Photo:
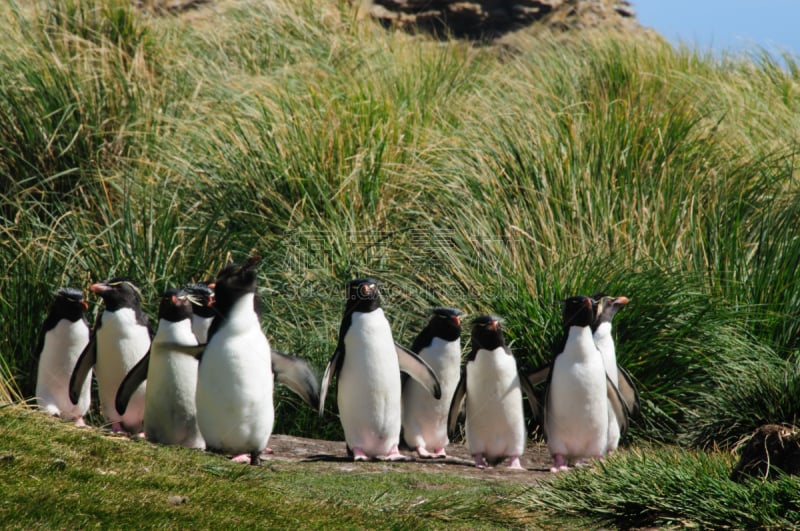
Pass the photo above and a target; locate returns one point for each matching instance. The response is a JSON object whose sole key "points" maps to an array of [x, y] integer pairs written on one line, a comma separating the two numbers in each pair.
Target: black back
{"points": [[118, 293], [174, 306], [445, 323], [487, 333], [233, 282], [69, 305]]}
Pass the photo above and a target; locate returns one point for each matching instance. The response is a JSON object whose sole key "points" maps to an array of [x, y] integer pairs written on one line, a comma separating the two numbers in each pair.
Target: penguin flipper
{"points": [[527, 388], [418, 369], [131, 382], [617, 405], [296, 374], [330, 371], [627, 389], [538, 376], [82, 368], [455, 404]]}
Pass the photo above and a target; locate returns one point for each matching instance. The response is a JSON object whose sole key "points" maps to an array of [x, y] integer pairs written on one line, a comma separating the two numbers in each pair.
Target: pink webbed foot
{"points": [[480, 462], [395, 455], [267, 451], [559, 463], [439, 452], [359, 455], [80, 423], [423, 452], [513, 463], [116, 427], [241, 458]]}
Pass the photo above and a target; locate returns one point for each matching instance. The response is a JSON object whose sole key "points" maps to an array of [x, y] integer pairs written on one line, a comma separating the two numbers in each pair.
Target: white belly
{"points": [[425, 417], [234, 389], [170, 414], [62, 348], [577, 406], [369, 385], [495, 424], [121, 343]]}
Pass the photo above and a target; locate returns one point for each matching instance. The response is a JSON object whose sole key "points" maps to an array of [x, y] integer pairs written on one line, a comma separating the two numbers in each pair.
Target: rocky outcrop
{"points": [[487, 19]]}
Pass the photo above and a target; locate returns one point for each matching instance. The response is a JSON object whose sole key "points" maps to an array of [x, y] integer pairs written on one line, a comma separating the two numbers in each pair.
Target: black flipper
{"points": [[332, 370], [418, 369], [627, 389], [131, 383], [296, 374], [82, 367], [617, 405], [455, 405]]}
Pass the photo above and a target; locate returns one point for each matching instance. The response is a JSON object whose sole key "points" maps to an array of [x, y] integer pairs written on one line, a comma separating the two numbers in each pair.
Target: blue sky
{"points": [[731, 25]]}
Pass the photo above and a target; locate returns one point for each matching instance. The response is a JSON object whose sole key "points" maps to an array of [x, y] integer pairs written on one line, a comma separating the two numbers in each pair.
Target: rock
{"points": [[487, 19], [769, 449]]}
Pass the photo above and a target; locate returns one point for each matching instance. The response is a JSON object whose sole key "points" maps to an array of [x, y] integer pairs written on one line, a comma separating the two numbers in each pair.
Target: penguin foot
{"points": [[439, 452], [425, 454], [80, 423], [241, 458], [359, 455], [395, 455], [513, 463], [480, 462], [116, 427], [267, 451], [559, 463]]}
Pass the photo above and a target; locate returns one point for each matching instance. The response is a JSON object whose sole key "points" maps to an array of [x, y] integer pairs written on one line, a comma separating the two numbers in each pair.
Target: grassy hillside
{"points": [[494, 178]]}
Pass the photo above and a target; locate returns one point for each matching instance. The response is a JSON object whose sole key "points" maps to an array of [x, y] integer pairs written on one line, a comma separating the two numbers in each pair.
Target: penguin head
{"points": [[174, 306], [234, 281], [578, 311], [118, 292], [201, 295], [68, 304], [606, 307], [445, 323], [363, 295], [487, 333]]}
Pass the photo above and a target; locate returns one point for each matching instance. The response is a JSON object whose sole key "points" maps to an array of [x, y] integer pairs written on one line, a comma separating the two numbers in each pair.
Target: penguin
{"points": [[424, 417], [201, 295], [121, 338], [65, 334], [605, 308], [367, 363], [579, 393], [170, 414], [235, 380], [492, 388]]}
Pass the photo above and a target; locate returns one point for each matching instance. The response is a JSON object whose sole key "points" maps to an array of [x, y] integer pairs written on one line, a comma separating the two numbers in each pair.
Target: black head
{"points": [[68, 304], [606, 307], [487, 333], [174, 306], [201, 295], [362, 295], [445, 323], [578, 311], [117, 293], [235, 281]]}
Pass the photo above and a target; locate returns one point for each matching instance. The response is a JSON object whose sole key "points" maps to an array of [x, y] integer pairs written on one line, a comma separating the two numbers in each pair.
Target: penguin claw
{"points": [[241, 458]]}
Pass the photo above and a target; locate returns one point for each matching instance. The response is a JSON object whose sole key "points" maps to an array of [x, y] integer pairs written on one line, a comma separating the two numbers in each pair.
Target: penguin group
{"points": [[205, 377]]}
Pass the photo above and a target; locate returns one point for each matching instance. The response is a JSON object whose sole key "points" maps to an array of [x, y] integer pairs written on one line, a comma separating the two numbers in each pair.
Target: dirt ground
{"points": [[536, 460]]}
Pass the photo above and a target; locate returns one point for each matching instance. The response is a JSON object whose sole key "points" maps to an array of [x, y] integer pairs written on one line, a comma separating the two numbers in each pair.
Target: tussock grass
{"points": [[495, 180], [669, 487]]}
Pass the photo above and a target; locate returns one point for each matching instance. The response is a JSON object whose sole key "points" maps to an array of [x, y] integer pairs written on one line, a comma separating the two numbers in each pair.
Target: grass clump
{"points": [[669, 487]]}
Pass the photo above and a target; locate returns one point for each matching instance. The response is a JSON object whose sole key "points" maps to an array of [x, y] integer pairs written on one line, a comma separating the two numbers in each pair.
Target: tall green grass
{"points": [[496, 180]]}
